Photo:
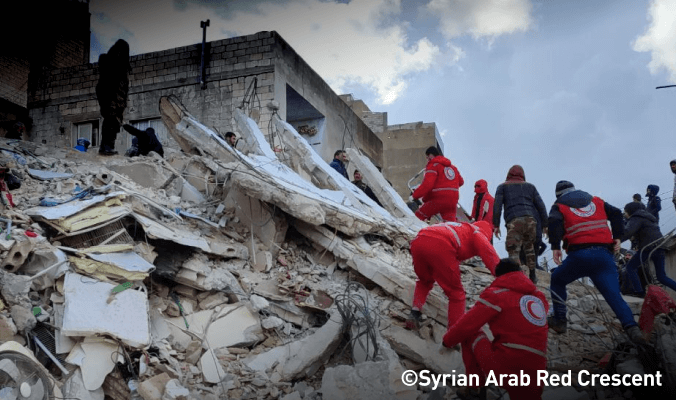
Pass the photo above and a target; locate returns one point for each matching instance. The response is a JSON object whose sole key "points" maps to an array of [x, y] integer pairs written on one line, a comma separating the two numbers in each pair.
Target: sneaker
{"points": [[636, 336], [557, 325], [533, 277]]}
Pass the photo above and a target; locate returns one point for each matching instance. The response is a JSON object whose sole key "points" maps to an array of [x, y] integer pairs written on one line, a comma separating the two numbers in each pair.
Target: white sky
{"points": [[566, 89]]}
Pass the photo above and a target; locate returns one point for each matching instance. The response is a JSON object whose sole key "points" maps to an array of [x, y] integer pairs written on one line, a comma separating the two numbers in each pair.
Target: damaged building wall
{"points": [[343, 127], [256, 68]]}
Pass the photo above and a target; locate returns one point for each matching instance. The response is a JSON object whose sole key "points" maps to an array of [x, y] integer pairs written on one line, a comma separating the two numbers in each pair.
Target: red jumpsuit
{"points": [[482, 207], [516, 312], [437, 252], [439, 190]]}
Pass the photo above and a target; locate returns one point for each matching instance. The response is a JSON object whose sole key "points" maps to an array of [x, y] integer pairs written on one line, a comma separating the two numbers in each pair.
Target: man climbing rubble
{"points": [[523, 206], [437, 252], [581, 221], [440, 188], [516, 313], [338, 163], [111, 93]]}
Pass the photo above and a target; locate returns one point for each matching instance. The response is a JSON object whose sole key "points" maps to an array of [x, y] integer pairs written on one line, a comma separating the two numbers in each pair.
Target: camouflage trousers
{"points": [[521, 232]]}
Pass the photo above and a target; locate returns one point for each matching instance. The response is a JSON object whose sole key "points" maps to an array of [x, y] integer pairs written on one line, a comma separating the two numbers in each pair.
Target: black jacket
{"points": [[520, 199], [644, 226], [580, 199], [147, 140]]}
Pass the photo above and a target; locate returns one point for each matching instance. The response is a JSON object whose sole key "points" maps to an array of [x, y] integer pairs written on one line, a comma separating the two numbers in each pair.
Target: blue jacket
{"points": [[340, 167]]}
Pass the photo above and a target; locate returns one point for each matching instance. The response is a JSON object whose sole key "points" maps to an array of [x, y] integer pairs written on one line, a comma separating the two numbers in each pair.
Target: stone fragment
{"points": [[23, 318], [153, 388], [367, 380], [211, 368], [258, 303], [175, 391]]}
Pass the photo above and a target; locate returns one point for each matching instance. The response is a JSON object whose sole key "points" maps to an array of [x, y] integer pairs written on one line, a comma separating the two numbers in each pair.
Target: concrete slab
{"points": [[235, 326]]}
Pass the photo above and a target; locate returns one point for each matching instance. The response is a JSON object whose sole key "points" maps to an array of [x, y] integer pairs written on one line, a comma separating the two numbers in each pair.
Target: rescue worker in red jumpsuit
{"points": [[516, 312], [437, 252], [439, 189]]}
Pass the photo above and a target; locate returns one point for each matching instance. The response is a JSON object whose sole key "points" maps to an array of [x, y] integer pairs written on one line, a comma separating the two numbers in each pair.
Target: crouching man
{"points": [[437, 252], [516, 312]]}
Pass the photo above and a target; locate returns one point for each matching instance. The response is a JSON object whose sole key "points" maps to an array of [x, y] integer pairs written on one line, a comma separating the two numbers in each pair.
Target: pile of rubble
{"points": [[221, 273]]}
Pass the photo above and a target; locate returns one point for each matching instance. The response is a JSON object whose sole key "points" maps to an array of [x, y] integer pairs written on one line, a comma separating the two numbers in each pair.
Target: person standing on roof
{"points": [[654, 202], [523, 206], [482, 207], [440, 188], [516, 313], [581, 221], [338, 163], [643, 225], [437, 252]]}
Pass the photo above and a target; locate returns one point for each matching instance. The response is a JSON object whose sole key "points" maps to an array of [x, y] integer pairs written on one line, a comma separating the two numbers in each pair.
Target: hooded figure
{"points": [[581, 220], [147, 140], [523, 207], [654, 202], [516, 312], [437, 252], [644, 227], [482, 207], [440, 188]]}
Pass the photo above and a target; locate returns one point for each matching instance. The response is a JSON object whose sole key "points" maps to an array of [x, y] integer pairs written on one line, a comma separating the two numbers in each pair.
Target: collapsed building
{"points": [[255, 272]]}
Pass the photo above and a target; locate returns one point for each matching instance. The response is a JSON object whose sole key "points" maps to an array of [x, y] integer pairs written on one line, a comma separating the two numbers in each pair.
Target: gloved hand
{"points": [[445, 350], [413, 320]]}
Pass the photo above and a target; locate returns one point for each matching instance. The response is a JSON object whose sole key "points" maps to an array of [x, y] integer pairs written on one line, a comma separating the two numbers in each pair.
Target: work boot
{"points": [[533, 277], [636, 336], [558, 325]]}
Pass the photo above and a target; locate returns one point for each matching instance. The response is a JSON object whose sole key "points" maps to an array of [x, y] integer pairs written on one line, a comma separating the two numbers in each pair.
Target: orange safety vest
{"points": [[587, 224]]}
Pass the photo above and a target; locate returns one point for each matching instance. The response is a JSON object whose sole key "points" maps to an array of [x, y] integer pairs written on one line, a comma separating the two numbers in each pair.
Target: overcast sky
{"points": [[564, 88]]}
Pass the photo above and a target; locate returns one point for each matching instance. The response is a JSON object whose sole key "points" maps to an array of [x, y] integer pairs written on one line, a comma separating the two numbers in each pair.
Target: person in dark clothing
{"points": [[231, 138], [147, 140], [364, 187], [654, 202], [581, 221], [523, 206], [338, 163], [643, 225], [637, 198], [133, 150], [17, 131], [111, 93]]}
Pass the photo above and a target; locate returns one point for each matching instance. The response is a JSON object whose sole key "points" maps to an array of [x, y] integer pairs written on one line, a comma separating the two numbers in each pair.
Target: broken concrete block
{"points": [[23, 318], [408, 344], [263, 261], [258, 303], [368, 380], [5, 245], [236, 326], [153, 388], [15, 289], [296, 359], [74, 388], [193, 352], [7, 329], [17, 254], [87, 311], [97, 358], [211, 367], [272, 322], [214, 300], [175, 391]]}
